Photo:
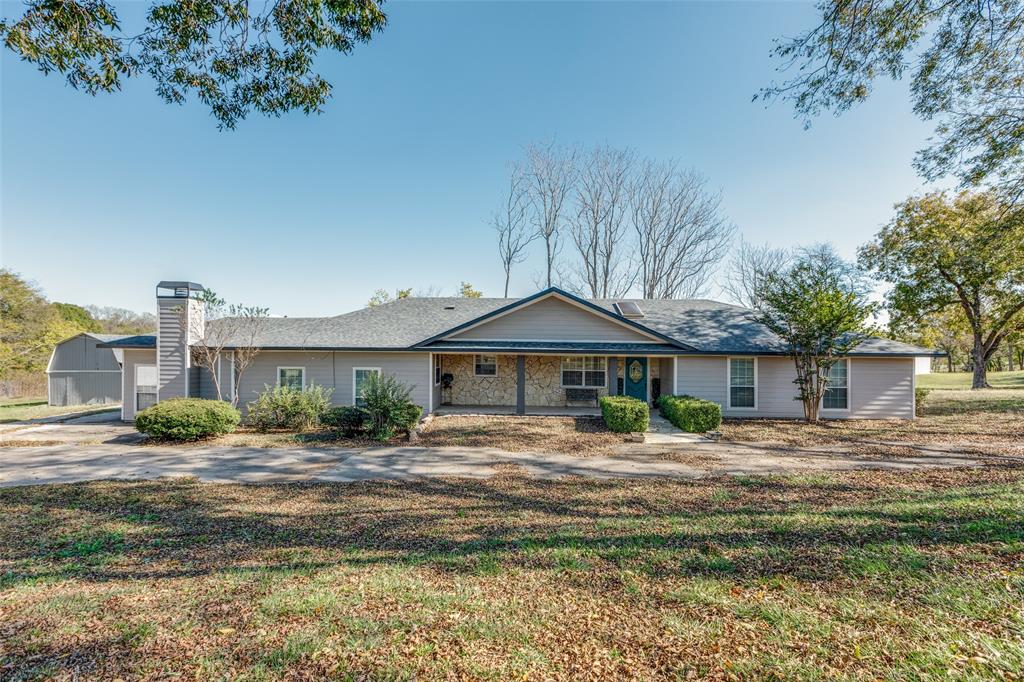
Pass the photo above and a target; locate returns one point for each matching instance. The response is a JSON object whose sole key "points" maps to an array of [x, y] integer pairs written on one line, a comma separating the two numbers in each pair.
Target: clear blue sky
{"points": [[392, 185]]}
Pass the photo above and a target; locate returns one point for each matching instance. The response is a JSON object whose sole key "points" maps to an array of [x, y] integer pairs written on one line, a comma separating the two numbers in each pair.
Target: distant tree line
{"points": [[30, 326]]}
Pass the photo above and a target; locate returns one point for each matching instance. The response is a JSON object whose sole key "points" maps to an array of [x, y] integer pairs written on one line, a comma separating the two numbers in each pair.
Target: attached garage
{"points": [[81, 373]]}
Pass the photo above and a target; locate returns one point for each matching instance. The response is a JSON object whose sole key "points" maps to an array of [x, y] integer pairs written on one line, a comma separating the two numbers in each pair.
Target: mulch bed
{"points": [[580, 436]]}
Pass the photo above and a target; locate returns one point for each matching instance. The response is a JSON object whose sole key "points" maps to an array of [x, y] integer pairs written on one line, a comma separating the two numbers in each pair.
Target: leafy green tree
{"points": [[466, 290], [29, 326], [945, 330], [963, 59], [235, 56], [819, 306], [966, 252], [79, 316]]}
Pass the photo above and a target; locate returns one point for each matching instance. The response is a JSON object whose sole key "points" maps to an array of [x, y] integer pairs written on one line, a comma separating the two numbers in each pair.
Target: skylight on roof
{"points": [[628, 309]]}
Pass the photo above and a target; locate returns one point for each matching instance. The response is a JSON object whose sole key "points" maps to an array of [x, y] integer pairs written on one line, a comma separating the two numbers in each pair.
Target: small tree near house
{"points": [[819, 307], [227, 328]]}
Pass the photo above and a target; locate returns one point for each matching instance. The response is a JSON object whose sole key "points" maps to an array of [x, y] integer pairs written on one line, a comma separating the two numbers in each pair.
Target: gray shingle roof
{"points": [[708, 326]]}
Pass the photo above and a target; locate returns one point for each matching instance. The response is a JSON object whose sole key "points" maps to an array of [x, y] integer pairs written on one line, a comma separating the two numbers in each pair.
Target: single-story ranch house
{"points": [[534, 355]]}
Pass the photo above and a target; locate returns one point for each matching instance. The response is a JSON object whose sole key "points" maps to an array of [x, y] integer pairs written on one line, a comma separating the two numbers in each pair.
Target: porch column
{"points": [[613, 376], [520, 384]]}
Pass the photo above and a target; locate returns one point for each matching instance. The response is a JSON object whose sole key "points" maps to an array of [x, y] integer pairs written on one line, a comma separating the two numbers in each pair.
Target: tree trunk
{"points": [[949, 362], [508, 274], [980, 378]]}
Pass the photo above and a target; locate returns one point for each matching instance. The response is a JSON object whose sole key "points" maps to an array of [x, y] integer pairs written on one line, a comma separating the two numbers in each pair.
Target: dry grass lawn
{"points": [[861, 576], [18, 409], [991, 420], [581, 436]]}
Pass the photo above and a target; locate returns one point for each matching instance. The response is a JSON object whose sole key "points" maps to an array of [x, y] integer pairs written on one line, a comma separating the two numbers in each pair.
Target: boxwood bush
{"points": [[693, 415], [347, 420], [624, 414], [187, 419]]}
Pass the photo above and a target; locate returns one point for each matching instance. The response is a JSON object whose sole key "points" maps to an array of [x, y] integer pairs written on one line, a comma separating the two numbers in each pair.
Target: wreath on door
{"points": [[636, 371]]}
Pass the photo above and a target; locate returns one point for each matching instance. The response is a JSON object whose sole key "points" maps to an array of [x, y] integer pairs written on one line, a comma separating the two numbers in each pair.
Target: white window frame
{"points": [[135, 383], [289, 367], [728, 383], [561, 372], [361, 369], [438, 370], [485, 355], [849, 398]]}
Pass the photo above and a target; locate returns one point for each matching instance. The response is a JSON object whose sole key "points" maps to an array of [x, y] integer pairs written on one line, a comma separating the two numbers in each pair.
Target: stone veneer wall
{"points": [[543, 382]]}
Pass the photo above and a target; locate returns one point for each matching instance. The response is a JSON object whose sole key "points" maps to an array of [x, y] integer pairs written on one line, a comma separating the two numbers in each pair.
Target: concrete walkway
{"points": [[663, 432]]}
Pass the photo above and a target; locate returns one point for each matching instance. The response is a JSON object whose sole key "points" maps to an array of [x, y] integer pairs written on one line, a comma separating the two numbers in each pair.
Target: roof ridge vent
{"points": [[628, 309]]}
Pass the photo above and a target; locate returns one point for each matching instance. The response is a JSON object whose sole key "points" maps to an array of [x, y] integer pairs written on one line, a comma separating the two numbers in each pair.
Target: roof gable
{"points": [[553, 315]]}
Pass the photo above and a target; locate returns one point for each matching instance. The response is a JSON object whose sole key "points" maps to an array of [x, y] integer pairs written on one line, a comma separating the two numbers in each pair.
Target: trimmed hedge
{"points": [[693, 415], [187, 419], [624, 414]]}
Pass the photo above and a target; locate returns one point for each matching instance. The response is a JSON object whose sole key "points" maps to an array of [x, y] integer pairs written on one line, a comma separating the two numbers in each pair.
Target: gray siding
{"points": [[132, 358], [334, 370], [882, 387], [84, 388], [879, 388], [79, 373], [553, 320], [80, 353], [172, 348]]}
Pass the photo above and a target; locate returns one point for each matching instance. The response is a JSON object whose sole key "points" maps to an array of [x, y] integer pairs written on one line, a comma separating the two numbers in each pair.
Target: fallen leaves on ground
{"points": [[862, 575]]}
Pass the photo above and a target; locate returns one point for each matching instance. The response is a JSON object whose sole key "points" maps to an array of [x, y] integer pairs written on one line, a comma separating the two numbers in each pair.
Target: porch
{"points": [[543, 384], [505, 410]]}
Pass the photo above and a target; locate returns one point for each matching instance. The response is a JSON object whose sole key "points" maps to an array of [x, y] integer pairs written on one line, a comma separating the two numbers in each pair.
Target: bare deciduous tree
{"points": [[681, 231], [598, 223], [551, 174], [747, 269], [512, 224], [227, 331]]}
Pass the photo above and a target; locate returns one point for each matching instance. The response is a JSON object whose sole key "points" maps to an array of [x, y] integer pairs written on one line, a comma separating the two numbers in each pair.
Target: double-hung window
{"points": [[743, 383], [584, 372], [291, 377], [837, 389], [437, 370], [485, 365], [359, 377]]}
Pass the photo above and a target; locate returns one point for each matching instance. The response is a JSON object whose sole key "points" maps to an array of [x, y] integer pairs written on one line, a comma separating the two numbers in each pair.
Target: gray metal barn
{"points": [[79, 373]]}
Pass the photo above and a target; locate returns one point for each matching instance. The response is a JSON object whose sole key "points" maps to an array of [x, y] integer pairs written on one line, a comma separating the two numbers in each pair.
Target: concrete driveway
{"points": [[70, 463], [102, 447]]}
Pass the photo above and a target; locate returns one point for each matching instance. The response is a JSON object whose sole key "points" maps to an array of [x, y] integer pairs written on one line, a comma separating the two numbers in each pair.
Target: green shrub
{"points": [[919, 397], [187, 419], [624, 414], [347, 420], [386, 401], [283, 407], [693, 415]]}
